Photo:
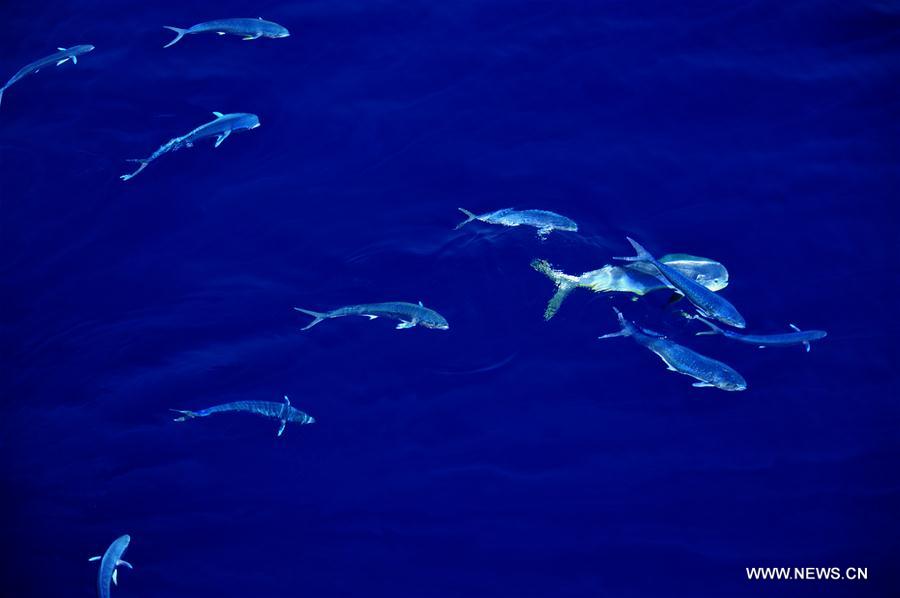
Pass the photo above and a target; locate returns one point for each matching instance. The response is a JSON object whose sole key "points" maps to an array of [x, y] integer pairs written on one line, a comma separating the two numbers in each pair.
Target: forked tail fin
{"points": [[627, 327], [143, 164], [565, 284], [319, 316], [180, 33], [642, 254], [185, 414], [713, 329], [469, 218]]}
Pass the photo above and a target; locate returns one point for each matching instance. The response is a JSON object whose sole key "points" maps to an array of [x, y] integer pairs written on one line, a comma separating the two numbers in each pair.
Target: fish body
{"points": [[546, 222], [283, 412], [220, 128], [248, 29], [110, 560], [706, 301], [784, 339], [64, 55], [409, 314], [678, 358], [637, 278]]}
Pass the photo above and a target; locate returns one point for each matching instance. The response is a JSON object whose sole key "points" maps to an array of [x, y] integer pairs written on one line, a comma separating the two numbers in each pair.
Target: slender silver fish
{"points": [[246, 28], [221, 128], [61, 57], [707, 302], [636, 278], [111, 559], [283, 412], [784, 339], [409, 314], [680, 359], [546, 222]]}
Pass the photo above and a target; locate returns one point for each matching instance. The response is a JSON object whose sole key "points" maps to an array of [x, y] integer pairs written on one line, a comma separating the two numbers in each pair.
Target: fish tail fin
{"points": [[626, 330], [180, 33], [642, 255], [469, 218], [143, 164], [319, 316], [565, 284], [185, 414], [713, 329]]}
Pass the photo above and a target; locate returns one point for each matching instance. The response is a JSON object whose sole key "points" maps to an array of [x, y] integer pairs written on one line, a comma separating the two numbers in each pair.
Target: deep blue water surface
{"points": [[508, 456]]}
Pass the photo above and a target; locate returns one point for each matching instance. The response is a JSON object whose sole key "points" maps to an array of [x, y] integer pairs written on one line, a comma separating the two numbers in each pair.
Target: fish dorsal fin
{"points": [[62, 49], [218, 114], [795, 327], [421, 304], [287, 401]]}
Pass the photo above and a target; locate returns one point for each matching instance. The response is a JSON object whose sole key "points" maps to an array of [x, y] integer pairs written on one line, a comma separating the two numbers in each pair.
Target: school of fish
{"points": [[696, 279]]}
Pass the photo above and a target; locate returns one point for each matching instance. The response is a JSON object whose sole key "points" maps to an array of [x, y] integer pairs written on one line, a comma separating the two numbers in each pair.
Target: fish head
{"points": [[245, 120], [434, 320], [731, 381], [279, 32], [82, 49]]}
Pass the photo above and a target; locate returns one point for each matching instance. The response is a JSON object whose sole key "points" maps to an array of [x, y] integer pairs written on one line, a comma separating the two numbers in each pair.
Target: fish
{"points": [[678, 358], [248, 28], [61, 57], [636, 278], [784, 339], [546, 222], [109, 562], [706, 301], [409, 314], [220, 128], [283, 412]]}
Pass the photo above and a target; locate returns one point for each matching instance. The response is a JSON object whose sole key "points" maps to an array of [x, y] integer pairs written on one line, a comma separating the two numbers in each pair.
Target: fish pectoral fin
{"points": [[702, 385], [62, 49], [220, 32], [126, 563], [74, 60], [114, 576], [761, 347], [218, 114], [254, 36], [404, 325], [371, 317], [61, 61], [222, 138], [283, 425], [806, 344], [95, 558]]}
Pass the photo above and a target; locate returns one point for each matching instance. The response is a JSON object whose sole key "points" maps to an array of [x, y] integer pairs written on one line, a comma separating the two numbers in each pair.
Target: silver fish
{"points": [[221, 128], [784, 339], [546, 222], [637, 278], [61, 57], [283, 412], [409, 314], [707, 302], [709, 372], [247, 28], [111, 559]]}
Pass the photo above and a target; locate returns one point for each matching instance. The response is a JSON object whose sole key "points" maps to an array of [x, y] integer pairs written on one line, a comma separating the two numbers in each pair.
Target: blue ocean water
{"points": [[507, 456]]}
